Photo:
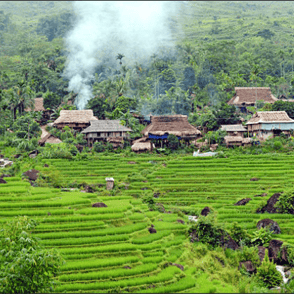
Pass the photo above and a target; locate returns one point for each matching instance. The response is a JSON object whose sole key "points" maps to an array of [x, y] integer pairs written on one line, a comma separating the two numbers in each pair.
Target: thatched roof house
{"points": [[142, 145], [162, 126], [103, 129], [237, 141], [39, 106], [49, 139], [76, 119], [247, 96], [266, 123], [234, 130]]}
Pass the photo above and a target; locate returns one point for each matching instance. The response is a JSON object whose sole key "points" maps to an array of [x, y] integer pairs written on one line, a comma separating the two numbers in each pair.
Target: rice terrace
{"points": [[146, 147]]}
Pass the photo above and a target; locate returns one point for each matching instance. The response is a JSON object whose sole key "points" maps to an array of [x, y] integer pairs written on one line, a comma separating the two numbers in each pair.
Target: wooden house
{"points": [[142, 145], [75, 119], [264, 124], [163, 125], [247, 96], [234, 130], [237, 141], [101, 130], [49, 139], [39, 106]]}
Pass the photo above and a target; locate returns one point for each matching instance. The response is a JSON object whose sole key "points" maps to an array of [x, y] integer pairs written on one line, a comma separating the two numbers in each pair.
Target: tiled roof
{"points": [[106, 126], [270, 117], [249, 95]]}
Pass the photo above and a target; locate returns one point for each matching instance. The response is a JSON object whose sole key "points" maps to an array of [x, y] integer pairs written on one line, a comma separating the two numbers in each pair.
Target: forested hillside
{"points": [[216, 46]]}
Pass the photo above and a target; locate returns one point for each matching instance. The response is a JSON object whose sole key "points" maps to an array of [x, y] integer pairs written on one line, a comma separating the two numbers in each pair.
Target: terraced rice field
{"points": [[110, 248]]}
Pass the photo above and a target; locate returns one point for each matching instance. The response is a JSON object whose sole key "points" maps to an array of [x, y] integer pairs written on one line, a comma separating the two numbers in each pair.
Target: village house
{"points": [[106, 130], [49, 138], [178, 125], [264, 124], [75, 119], [39, 106], [247, 96], [142, 145], [234, 130]]}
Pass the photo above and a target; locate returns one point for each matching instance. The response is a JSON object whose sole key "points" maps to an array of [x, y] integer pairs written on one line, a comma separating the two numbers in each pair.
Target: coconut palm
{"points": [[120, 57]]}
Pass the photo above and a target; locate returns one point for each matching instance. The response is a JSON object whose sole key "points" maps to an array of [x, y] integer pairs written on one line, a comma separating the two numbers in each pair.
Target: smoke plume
{"points": [[136, 29]]}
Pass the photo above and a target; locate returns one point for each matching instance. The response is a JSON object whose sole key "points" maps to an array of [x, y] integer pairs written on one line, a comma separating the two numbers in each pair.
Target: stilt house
{"points": [[101, 130], [234, 130], [178, 125], [75, 119], [247, 96], [264, 124]]}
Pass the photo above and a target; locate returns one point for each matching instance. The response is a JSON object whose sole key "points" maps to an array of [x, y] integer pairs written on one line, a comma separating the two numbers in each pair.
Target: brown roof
{"points": [[233, 139], [172, 124], [49, 138], [75, 116], [233, 128], [38, 105], [270, 117], [106, 126], [249, 95], [141, 146]]}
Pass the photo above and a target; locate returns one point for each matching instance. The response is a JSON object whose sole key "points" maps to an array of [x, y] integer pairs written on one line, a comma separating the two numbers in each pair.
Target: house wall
{"points": [[279, 126]]}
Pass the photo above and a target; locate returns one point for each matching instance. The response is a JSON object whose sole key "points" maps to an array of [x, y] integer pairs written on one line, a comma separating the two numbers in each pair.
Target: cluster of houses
{"points": [[262, 124]]}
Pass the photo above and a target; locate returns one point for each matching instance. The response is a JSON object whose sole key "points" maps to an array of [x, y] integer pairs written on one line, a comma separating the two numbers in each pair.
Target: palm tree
{"points": [[120, 57]]}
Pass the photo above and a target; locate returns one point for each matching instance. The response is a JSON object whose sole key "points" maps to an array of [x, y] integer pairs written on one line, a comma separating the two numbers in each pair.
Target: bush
{"points": [[250, 253], [286, 202], [262, 237], [98, 147], [173, 141], [240, 235], [268, 274]]}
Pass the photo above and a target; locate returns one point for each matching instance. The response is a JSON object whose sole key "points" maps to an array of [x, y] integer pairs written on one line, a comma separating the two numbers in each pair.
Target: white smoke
{"points": [[135, 29]]}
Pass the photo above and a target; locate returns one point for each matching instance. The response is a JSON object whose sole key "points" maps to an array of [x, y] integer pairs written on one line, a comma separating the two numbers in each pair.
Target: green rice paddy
{"points": [[107, 249]]}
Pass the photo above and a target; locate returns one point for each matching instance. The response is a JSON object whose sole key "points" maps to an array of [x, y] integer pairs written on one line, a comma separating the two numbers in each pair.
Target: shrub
{"points": [[250, 253], [173, 141], [262, 237], [98, 147], [240, 235], [286, 202], [268, 274]]}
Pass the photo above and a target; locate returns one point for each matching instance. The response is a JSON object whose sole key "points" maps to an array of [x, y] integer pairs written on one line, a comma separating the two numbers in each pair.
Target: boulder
{"points": [[99, 204], [268, 223], [32, 174], [205, 211], [273, 249], [269, 207], [243, 201], [261, 252], [152, 230], [283, 256], [2, 181], [89, 189], [228, 242], [248, 266]]}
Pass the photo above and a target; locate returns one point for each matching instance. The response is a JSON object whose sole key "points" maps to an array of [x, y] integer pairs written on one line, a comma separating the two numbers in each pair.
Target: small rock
{"points": [[2, 181], [132, 162], [46, 165], [127, 267], [268, 223], [32, 174], [99, 204], [145, 188], [261, 252], [49, 213], [17, 155], [261, 195], [156, 195], [180, 221], [254, 179], [248, 265], [205, 211], [243, 201], [152, 230]]}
